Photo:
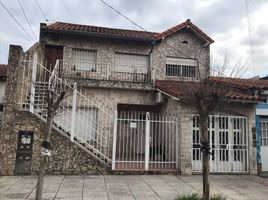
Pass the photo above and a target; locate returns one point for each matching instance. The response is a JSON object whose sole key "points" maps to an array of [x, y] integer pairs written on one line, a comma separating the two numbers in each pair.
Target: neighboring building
{"points": [[262, 127], [3, 76], [124, 111]]}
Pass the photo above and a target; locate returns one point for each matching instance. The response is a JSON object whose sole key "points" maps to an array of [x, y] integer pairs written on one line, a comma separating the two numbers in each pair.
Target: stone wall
{"points": [[111, 98], [173, 106], [70, 159], [171, 46], [67, 158], [105, 54], [174, 46]]}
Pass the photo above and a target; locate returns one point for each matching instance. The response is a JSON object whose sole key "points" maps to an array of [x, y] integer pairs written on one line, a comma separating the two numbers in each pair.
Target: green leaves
{"points": [[196, 196]]}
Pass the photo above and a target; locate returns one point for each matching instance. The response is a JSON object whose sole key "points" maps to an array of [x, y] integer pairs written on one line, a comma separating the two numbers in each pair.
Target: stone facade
{"points": [[67, 158], [105, 55], [172, 46], [175, 46], [114, 97], [174, 106]]}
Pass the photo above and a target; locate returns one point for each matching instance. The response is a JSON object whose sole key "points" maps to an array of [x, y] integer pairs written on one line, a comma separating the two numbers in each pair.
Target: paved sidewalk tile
{"points": [[128, 187]]}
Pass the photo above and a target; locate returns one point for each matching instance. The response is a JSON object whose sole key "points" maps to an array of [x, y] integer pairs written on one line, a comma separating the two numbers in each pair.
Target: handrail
{"points": [[92, 127]]}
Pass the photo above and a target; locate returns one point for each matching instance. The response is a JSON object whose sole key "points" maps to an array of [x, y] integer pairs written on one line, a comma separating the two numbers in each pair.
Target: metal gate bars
{"points": [[228, 137], [145, 141]]}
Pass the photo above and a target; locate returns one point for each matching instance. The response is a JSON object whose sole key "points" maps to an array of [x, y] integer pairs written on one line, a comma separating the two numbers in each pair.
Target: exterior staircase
{"points": [[84, 121]]}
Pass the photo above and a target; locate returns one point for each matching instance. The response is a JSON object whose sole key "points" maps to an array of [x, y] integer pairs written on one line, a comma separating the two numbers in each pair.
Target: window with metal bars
{"points": [[180, 67], [83, 60]]}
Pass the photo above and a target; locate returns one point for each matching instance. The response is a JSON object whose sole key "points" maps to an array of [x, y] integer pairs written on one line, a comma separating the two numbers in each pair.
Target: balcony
{"points": [[106, 75]]}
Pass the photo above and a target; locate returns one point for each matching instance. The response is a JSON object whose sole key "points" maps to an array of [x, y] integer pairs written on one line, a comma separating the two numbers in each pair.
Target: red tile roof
{"points": [[142, 35], [174, 88], [3, 70], [186, 24], [130, 34], [244, 84]]}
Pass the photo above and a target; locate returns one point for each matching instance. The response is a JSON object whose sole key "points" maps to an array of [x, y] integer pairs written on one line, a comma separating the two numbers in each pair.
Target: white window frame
{"points": [[84, 59], [186, 67], [264, 132]]}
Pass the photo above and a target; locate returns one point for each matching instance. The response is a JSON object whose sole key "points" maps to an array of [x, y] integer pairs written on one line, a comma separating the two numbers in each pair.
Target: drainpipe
{"points": [[152, 72]]}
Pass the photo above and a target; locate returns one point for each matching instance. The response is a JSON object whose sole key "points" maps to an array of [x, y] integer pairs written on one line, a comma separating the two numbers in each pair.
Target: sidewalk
{"points": [[125, 187]]}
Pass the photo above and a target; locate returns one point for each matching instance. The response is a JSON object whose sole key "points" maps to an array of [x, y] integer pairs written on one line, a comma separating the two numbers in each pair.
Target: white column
{"points": [[33, 83], [114, 140], [246, 121], [230, 142], [73, 112], [177, 141], [217, 143], [147, 142], [108, 71]]}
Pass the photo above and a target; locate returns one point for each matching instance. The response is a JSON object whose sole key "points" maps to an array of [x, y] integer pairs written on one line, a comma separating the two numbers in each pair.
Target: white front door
{"points": [[228, 142], [223, 142], [264, 144]]}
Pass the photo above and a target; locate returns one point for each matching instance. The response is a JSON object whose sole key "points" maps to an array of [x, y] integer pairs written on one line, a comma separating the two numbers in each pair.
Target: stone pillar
{"points": [[8, 138], [11, 97], [253, 168], [186, 145]]}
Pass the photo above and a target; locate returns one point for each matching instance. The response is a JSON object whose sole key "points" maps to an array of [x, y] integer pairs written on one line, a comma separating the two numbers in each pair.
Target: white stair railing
{"points": [[82, 119]]}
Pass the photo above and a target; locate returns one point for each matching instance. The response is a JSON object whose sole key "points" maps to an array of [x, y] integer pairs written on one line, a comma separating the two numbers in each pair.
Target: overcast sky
{"points": [[226, 21]]}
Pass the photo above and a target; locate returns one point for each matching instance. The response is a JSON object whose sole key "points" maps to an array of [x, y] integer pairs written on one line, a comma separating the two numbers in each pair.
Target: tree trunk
{"points": [[40, 181], [205, 157]]}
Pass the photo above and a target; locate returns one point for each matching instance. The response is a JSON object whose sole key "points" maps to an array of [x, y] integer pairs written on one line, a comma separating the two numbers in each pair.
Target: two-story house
{"points": [[123, 110]]}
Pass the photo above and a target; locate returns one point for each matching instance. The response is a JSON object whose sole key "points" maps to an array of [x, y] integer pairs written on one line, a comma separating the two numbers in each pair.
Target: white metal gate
{"points": [[264, 143], [145, 141], [228, 137]]}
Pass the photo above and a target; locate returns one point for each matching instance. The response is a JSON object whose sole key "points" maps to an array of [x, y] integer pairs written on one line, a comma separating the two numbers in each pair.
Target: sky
{"points": [[239, 27]]}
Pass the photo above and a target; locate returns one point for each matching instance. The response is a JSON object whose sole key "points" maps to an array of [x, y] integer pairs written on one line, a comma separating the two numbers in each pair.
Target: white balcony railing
{"points": [[104, 72]]}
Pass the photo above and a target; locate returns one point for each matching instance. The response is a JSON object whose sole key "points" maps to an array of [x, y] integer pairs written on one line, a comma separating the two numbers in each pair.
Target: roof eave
{"points": [[235, 100], [200, 34], [102, 35], [169, 95]]}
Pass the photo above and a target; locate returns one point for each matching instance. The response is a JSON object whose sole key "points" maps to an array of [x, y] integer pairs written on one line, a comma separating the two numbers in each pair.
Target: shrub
{"points": [[196, 196], [217, 197], [193, 196]]}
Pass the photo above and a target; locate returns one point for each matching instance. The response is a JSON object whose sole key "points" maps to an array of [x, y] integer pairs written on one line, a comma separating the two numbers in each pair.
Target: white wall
{"points": [[2, 90]]}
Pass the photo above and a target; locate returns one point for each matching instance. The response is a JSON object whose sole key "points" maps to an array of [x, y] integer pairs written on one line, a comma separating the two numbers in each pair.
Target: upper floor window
{"points": [[84, 60], [180, 67], [131, 63]]}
